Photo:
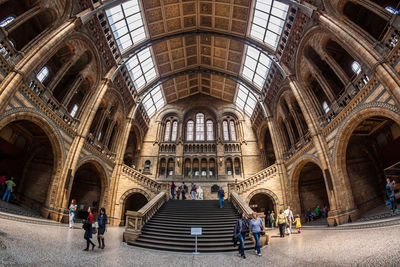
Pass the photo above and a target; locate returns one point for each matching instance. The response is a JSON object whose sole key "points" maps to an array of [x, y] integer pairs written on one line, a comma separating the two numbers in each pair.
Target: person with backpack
{"points": [[391, 195], [221, 196], [241, 231], [173, 187]]}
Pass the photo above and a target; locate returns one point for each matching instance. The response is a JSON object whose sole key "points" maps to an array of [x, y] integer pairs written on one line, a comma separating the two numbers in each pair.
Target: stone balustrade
{"points": [[254, 179], [145, 181], [135, 220], [240, 204]]}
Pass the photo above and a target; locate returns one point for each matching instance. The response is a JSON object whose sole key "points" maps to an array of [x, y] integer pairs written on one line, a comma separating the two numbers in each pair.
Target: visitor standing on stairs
{"points": [[173, 187], [241, 230], [221, 196], [256, 225], [183, 190], [101, 221], [290, 218], [87, 225], [193, 191]]}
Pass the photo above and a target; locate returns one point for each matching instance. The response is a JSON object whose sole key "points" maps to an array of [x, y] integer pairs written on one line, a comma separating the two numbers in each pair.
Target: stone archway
{"points": [[369, 143], [263, 200], [88, 187], [133, 199], [31, 153]]}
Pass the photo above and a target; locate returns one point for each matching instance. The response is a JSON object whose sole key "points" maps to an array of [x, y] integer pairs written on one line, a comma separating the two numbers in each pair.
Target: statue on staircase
{"points": [[199, 193]]}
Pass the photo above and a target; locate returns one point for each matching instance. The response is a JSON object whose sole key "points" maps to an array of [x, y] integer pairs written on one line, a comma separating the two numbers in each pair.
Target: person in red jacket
{"points": [[87, 225]]}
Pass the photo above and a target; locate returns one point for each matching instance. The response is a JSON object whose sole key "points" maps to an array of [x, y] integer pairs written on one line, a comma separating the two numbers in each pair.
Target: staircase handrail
{"points": [[254, 179], [142, 179], [135, 220], [240, 205]]}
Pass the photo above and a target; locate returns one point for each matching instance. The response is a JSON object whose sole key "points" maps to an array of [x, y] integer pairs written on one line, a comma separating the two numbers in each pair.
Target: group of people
{"points": [[245, 227], [90, 226], [317, 213], [196, 192], [6, 188]]}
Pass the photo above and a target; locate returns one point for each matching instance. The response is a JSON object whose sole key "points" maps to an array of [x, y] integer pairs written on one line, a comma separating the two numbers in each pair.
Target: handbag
{"points": [[262, 229]]}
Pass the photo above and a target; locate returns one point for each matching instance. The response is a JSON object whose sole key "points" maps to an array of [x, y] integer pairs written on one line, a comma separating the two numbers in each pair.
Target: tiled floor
{"points": [[46, 245]]}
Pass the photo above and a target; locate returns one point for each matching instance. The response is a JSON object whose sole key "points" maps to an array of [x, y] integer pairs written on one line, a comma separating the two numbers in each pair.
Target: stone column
{"points": [[290, 132], [21, 19], [72, 90], [375, 8], [62, 184], [336, 68], [296, 119], [32, 59], [321, 81], [364, 51], [337, 204]]}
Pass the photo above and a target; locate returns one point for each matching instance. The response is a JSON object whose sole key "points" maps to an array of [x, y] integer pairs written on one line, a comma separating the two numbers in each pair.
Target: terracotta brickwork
{"points": [[325, 126]]}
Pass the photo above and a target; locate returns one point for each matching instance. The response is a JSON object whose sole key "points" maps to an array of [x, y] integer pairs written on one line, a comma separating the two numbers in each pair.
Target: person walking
{"points": [[256, 226], [281, 221], [183, 190], [317, 211], [221, 196], [101, 221], [268, 221], [72, 213], [88, 230], [10, 188], [298, 224], [309, 215], [290, 219], [193, 191], [325, 212], [173, 188], [389, 193], [241, 230], [272, 219]]}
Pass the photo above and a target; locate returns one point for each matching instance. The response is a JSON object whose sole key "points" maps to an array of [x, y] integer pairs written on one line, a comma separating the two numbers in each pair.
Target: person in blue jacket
{"points": [[101, 221]]}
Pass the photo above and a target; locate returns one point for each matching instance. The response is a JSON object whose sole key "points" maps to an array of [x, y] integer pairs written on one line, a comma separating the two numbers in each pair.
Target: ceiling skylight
{"points": [[154, 101], [256, 67], [268, 21], [126, 24], [141, 68], [245, 100]]}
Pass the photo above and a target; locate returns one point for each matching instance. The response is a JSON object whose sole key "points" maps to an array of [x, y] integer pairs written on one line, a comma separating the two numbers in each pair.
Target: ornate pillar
{"points": [[33, 58], [297, 121], [62, 184], [72, 90], [21, 19], [364, 51], [336, 68]]}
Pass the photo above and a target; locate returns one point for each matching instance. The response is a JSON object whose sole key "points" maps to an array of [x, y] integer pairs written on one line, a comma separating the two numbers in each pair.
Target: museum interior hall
{"points": [[151, 108]]}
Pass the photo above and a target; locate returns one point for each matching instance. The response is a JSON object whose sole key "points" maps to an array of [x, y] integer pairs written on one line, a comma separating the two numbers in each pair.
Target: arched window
{"points": [[42, 74], [6, 21], [210, 130], [199, 127], [356, 67], [232, 130], [225, 130], [189, 130], [167, 131], [392, 10], [74, 110], [325, 106], [174, 131]]}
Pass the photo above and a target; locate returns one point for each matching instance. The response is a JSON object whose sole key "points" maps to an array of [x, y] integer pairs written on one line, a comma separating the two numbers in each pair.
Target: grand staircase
{"points": [[169, 229]]}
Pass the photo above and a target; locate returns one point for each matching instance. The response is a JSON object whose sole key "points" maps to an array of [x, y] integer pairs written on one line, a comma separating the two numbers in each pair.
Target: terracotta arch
{"points": [[267, 192], [52, 133], [345, 131], [126, 195]]}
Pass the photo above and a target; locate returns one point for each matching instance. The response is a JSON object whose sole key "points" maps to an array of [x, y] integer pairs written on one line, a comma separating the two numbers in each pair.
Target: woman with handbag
{"points": [[101, 221], [87, 224], [241, 229], [256, 226]]}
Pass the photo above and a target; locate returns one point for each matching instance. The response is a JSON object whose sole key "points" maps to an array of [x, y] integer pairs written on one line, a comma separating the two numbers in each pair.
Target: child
{"points": [[298, 224]]}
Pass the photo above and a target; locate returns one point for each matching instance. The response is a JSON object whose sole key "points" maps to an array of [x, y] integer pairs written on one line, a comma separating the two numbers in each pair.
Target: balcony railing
{"points": [[52, 103], [199, 147]]}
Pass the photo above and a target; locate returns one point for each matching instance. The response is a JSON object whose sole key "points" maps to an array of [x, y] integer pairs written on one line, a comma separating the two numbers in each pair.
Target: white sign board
{"points": [[195, 231]]}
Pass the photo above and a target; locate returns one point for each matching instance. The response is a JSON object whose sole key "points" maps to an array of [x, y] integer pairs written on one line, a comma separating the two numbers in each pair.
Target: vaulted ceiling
{"points": [[217, 30]]}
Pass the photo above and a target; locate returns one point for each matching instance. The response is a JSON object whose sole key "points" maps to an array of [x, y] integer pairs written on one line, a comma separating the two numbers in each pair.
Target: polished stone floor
{"points": [[47, 245]]}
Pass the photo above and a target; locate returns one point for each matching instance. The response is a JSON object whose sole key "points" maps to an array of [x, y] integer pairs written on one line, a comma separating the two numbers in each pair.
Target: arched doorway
{"points": [[26, 154], [373, 146], [262, 202], [87, 188], [312, 189], [134, 202]]}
